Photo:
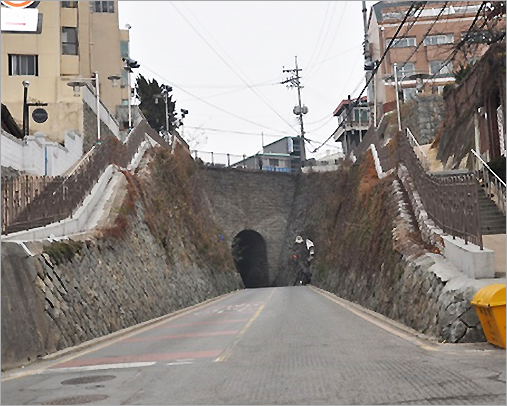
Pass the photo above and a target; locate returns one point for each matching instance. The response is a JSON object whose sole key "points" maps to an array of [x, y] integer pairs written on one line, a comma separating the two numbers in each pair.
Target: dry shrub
{"points": [[177, 207], [368, 176], [121, 223]]}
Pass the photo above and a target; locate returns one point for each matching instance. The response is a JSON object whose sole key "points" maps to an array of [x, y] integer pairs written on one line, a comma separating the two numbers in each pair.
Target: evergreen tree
{"points": [[152, 104]]}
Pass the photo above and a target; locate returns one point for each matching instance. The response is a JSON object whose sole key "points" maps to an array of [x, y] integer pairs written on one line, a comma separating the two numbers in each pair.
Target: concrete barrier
{"points": [[469, 258]]}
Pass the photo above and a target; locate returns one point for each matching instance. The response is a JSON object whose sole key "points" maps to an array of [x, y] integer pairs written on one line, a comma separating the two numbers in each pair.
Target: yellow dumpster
{"points": [[489, 304]]}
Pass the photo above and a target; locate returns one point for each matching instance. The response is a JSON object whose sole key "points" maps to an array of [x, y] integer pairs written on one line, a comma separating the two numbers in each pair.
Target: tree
{"points": [[152, 104]]}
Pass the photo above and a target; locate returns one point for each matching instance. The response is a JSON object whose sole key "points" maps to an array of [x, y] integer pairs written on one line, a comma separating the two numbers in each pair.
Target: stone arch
{"points": [[251, 258]]}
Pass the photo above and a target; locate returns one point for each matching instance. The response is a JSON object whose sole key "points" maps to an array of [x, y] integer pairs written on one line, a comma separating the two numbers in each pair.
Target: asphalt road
{"points": [[293, 345]]}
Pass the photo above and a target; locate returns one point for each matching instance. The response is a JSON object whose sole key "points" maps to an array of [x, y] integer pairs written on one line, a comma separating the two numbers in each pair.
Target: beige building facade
{"points": [[74, 40], [421, 49]]}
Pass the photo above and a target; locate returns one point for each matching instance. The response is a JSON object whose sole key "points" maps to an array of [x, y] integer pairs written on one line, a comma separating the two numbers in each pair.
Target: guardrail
{"points": [[494, 186], [62, 196], [451, 201]]}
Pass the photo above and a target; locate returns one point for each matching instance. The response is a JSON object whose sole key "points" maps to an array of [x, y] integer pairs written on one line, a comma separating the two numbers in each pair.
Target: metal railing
{"points": [[418, 150], [18, 193], [493, 185], [452, 202], [62, 196]]}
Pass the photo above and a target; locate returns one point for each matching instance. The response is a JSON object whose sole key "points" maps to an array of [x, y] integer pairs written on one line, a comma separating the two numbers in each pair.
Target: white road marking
{"points": [[100, 367], [180, 363]]}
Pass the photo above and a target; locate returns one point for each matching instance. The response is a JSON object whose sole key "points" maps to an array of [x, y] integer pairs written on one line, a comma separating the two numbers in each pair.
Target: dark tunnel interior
{"points": [[251, 258]]}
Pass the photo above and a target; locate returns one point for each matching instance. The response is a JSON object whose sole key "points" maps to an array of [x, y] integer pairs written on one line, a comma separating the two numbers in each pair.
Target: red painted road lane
{"points": [[173, 324], [169, 356], [204, 333], [176, 336]]}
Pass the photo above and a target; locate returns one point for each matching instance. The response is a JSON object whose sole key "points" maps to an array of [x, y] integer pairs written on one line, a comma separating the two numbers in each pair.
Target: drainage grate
{"points": [[76, 400], [88, 379]]}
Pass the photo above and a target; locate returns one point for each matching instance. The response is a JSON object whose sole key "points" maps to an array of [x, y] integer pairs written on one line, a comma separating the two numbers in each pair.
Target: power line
{"points": [[462, 42], [425, 35], [228, 65], [320, 33], [353, 104], [332, 41], [232, 132], [210, 104]]}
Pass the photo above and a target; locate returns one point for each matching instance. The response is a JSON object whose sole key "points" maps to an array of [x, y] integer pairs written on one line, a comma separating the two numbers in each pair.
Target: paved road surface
{"points": [[293, 345]]}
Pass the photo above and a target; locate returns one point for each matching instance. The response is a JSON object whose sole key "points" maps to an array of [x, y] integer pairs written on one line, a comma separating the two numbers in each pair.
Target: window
{"points": [[401, 42], [273, 162], [23, 65], [124, 49], [69, 41], [124, 79], [404, 70], [438, 68], [103, 6], [363, 116], [69, 4], [409, 93], [438, 39]]}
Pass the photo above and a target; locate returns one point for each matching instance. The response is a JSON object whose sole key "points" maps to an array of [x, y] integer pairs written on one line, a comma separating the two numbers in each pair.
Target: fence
{"points": [[219, 159], [493, 185], [18, 193], [452, 202], [61, 197]]}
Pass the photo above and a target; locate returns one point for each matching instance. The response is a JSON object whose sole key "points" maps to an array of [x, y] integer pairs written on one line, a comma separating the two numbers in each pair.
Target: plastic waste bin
{"points": [[489, 303]]}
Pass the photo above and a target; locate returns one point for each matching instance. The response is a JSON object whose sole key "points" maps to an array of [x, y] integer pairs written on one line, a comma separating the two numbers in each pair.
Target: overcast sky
{"points": [[224, 60]]}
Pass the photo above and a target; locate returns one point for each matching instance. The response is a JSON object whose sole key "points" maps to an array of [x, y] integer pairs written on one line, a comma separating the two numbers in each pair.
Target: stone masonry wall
{"points": [[423, 115], [255, 200], [369, 251], [80, 290], [90, 128]]}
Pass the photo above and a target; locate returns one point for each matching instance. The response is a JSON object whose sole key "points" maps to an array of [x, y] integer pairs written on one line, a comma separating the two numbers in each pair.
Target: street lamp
{"points": [[129, 65], [26, 83], [419, 84], [82, 82], [165, 94], [77, 84]]}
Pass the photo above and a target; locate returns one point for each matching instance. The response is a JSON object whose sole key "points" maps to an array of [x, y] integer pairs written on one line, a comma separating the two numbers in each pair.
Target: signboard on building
{"points": [[20, 16]]}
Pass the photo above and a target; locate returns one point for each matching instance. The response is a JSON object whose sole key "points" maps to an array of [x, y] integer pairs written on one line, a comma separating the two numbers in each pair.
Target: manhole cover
{"points": [[76, 400], [88, 379]]}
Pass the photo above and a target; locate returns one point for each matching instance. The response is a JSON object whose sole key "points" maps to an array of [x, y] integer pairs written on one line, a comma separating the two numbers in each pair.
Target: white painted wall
{"points": [[38, 156]]}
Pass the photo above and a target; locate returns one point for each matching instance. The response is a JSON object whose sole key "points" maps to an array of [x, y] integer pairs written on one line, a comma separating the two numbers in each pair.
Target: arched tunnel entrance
{"points": [[251, 258]]}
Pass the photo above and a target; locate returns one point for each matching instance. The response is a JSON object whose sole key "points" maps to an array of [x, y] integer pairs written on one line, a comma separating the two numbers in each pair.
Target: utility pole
{"points": [[299, 110], [369, 65]]}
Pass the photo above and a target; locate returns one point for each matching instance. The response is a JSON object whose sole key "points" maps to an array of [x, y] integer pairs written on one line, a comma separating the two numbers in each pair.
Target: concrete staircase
{"points": [[492, 220]]}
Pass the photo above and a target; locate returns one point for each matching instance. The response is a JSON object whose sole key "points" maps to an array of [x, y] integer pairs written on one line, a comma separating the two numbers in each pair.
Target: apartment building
{"points": [[52, 43], [353, 122], [420, 50]]}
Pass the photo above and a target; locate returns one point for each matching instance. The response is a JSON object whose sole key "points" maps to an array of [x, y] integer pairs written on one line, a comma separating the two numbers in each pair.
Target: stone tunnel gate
{"points": [[253, 209]]}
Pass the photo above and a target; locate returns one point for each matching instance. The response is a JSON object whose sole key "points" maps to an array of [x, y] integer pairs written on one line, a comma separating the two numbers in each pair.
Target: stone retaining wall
{"points": [[107, 285]]}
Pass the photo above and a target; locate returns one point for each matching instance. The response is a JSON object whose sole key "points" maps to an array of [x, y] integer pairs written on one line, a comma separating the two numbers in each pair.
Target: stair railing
{"points": [[418, 150], [493, 184]]}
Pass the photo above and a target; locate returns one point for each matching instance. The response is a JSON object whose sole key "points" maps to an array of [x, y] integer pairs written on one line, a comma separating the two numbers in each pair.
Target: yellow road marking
{"points": [[227, 353]]}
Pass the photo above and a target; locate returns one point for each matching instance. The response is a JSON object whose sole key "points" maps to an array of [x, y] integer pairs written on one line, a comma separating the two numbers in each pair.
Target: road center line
{"points": [[227, 353]]}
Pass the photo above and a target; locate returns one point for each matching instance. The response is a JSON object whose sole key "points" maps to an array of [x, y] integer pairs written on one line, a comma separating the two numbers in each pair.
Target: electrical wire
{"points": [[425, 35], [462, 42], [320, 33], [233, 70], [332, 41], [210, 104], [374, 71]]}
